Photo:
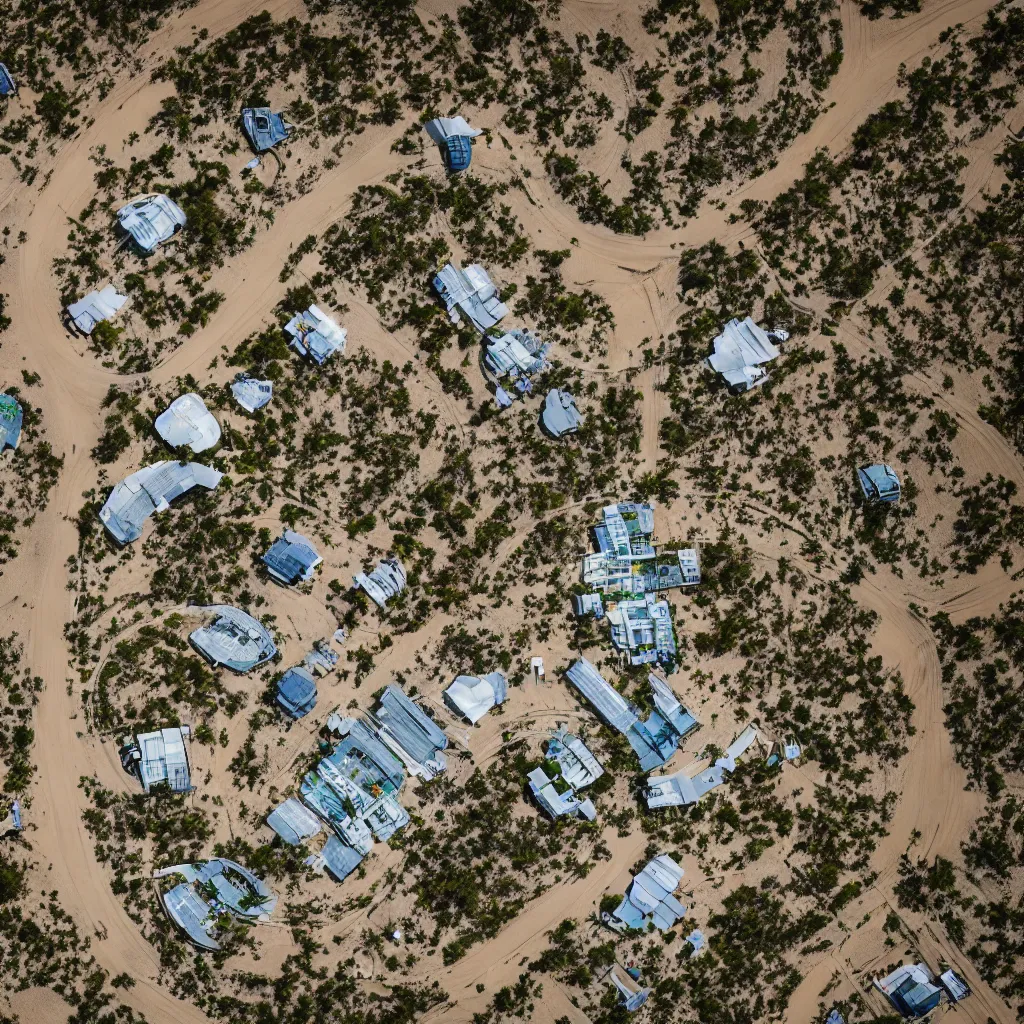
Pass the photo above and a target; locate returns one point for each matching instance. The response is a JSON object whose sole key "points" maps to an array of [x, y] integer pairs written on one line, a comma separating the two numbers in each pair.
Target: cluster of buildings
{"points": [[353, 791], [914, 990], [626, 574], [511, 359], [654, 739], [569, 767]]}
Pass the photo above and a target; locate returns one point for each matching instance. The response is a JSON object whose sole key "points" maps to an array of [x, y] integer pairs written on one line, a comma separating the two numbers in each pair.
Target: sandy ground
{"points": [[636, 276]]}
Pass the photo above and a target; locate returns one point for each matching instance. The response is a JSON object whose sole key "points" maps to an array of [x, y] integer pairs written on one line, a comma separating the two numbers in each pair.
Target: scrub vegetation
{"points": [[894, 265]]}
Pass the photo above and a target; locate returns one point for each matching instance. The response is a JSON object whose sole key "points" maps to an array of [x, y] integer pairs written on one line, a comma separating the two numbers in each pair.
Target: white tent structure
{"points": [[151, 220], [741, 352], [96, 307], [473, 697], [187, 421]]}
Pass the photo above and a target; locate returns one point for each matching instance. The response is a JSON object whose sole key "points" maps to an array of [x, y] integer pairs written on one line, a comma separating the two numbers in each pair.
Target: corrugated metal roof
{"points": [[293, 822], [234, 639], [607, 701], [341, 860], [291, 558], [409, 725], [150, 490]]}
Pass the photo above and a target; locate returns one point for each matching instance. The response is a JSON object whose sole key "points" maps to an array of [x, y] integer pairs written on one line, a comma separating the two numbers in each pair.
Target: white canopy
{"points": [[96, 306], [740, 351], [187, 421], [442, 128]]}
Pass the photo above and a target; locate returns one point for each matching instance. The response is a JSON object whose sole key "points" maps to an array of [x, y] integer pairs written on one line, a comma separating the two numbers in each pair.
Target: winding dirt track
{"points": [[73, 386]]}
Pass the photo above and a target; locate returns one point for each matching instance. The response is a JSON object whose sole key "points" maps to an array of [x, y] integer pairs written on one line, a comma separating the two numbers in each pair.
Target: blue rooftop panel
{"points": [[7, 86], [458, 152], [296, 692]]}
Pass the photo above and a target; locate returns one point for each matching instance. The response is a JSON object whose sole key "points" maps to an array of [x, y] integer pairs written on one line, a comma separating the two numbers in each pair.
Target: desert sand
{"points": [[636, 277]]}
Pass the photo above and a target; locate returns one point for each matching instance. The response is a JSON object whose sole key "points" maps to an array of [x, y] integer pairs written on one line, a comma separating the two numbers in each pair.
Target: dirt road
{"points": [[73, 386]]}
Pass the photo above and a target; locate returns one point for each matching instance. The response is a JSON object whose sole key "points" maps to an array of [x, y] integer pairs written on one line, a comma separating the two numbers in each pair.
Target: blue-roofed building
{"points": [[264, 128], [654, 740], [296, 692], [879, 482], [8, 87], [292, 558], [455, 137], [11, 418], [911, 989]]}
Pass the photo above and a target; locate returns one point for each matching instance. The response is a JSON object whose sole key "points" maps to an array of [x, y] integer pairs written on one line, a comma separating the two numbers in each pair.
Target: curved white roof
{"points": [[151, 220], [188, 421]]}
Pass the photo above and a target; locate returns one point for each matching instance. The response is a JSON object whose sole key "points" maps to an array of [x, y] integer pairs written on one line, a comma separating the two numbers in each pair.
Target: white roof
{"points": [[442, 128], [475, 697], [187, 421], [151, 220], [742, 743], [96, 306], [740, 350], [150, 490], [252, 394], [315, 334]]}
